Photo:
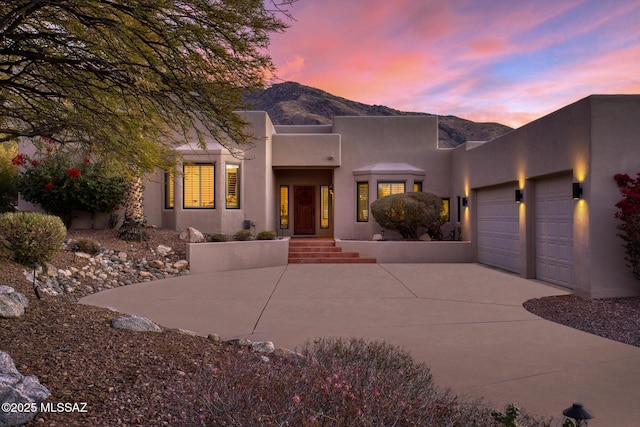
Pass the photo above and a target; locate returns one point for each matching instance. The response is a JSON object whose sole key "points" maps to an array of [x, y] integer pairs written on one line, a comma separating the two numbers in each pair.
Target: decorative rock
{"points": [[10, 308], [213, 337], [83, 255], [243, 342], [145, 274], [191, 235], [16, 388], [263, 347], [184, 332], [16, 296], [122, 255], [51, 270], [181, 265], [164, 250], [425, 237], [156, 263], [377, 237], [135, 323]]}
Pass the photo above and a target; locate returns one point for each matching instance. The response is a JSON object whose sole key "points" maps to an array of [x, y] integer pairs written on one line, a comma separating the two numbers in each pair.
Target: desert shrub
{"points": [[629, 216], [406, 213], [87, 245], [218, 237], [8, 175], [333, 382], [243, 235], [266, 235], [31, 237]]}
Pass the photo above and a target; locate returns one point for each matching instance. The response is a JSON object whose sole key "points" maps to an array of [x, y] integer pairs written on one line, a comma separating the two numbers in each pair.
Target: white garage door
{"points": [[498, 228], [554, 230]]}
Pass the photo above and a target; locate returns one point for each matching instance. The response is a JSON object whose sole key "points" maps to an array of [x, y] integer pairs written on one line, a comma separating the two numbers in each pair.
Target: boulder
{"points": [[377, 237], [16, 296], [16, 388], [191, 235], [425, 237], [10, 307], [132, 322]]}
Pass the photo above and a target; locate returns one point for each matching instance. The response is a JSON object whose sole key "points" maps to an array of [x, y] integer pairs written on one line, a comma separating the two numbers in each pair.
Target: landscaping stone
{"points": [[377, 237], [164, 250], [132, 322], [191, 235], [181, 264], [16, 296], [242, 342], [16, 388], [106, 270], [9, 307], [263, 347], [156, 263]]}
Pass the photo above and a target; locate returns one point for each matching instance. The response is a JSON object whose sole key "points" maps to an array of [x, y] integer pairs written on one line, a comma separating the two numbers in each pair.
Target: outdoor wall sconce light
{"points": [[577, 190], [578, 413], [519, 195], [465, 202]]}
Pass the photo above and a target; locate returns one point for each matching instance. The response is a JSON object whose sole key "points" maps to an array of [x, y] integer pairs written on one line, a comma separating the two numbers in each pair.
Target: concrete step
{"points": [[321, 251], [332, 261], [324, 249], [323, 255]]}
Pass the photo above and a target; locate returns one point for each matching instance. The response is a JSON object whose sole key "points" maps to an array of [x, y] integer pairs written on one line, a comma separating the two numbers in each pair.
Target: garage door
{"points": [[554, 230], [498, 228]]}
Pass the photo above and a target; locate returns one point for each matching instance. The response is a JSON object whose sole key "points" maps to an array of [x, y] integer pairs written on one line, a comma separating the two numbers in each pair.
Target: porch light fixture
{"points": [[465, 201], [578, 413], [519, 195], [577, 190]]}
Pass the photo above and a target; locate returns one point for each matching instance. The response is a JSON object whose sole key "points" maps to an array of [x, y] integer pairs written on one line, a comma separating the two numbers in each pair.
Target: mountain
{"points": [[291, 103]]}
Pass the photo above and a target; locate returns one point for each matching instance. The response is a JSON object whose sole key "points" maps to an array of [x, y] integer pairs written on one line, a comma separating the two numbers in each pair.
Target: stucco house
{"points": [[537, 201], [320, 181]]}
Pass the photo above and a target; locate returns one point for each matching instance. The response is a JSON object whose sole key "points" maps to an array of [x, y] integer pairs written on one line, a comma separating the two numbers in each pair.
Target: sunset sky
{"points": [[485, 60]]}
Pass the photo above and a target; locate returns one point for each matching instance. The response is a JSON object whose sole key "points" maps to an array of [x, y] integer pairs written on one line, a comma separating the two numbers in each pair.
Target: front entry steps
{"points": [[322, 251]]}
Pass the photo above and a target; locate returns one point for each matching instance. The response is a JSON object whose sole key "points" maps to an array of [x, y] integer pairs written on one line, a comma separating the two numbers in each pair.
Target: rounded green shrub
{"points": [[31, 237], [243, 235], [407, 212], [266, 235], [218, 237]]}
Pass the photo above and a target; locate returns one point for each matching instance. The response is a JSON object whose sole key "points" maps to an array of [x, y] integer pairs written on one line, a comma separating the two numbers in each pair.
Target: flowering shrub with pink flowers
{"points": [[629, 216], [60, 183], [333, 382]]}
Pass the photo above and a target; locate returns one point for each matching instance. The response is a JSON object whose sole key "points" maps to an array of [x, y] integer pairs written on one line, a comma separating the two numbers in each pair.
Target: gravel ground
{"points": [[135, 379]]}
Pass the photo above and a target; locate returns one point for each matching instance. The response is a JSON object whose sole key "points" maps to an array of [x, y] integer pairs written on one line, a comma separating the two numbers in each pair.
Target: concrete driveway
{"points": [[465, 321]]}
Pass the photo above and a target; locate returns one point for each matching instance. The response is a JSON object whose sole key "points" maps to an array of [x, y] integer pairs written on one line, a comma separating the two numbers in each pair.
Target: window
{"points": [[284, 206], [446, 212], [199, 186], [363, 202], [324, 206], [233, 186], [389, 188], [417, 186], [169, 193]]}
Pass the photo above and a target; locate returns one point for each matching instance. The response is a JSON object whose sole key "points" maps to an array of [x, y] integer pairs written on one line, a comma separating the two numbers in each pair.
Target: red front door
{"points": [[304, 206]]}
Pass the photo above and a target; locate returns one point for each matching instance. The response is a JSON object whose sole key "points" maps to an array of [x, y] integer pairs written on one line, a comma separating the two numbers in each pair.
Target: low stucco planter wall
{"points": [[228, 256], [409, 252]]}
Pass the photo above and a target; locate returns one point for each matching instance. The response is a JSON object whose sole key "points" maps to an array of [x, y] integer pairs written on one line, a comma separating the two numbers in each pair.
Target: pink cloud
{"points": [[451, 57]]}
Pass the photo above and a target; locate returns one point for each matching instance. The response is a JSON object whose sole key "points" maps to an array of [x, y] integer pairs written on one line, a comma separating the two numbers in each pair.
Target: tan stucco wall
{"points": [[369, 140], [592, 140], [615, 148]]}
